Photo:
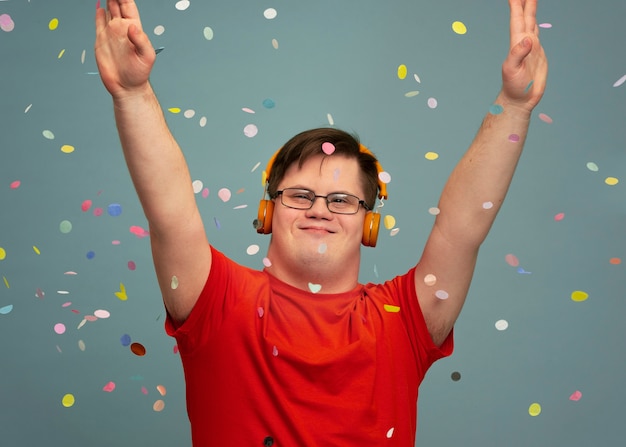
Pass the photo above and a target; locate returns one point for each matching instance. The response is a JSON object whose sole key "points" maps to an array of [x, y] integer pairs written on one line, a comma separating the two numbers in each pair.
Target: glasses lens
{"points": [[343, 203], [297, 198]]}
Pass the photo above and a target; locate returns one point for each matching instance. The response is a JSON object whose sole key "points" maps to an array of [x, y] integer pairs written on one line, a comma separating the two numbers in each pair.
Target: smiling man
{"points": [[300, 353]]}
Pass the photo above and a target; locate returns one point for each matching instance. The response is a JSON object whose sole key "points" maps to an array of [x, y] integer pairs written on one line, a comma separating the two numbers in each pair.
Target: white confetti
{"points": [[270, 13], [253, 249], [620, 81], [182, 5], [174, 283], [442, 294], [502, 325], [487, 205], [197, 186]]}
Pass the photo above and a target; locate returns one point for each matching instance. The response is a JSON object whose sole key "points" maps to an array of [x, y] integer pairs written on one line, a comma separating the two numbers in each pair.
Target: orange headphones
{"points": [[371, 225]]}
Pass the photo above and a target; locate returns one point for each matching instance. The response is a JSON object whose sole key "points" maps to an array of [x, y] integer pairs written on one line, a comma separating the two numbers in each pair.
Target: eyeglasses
{"points": [[337, 202]]}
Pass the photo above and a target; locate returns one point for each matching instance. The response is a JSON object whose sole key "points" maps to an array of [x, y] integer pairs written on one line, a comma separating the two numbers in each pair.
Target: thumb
{"points": [[141, 41], [520, 51]]}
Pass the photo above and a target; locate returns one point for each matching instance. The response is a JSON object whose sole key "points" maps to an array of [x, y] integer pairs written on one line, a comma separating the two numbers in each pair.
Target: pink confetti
{"points": [[576, 395], [138, 231], [559, 217], [261, 312], [16, 184], [545, 25], [109, 387], [511, 260], [545, 118], [59, 328], [328, 148], [98, 212], [514, 138], [6, 23], [205, 193], [144, 390], [224, 194], [86, 205], [131, 265]]}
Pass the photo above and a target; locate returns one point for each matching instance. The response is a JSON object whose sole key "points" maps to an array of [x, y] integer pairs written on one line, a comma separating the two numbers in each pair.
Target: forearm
{"points": [[155, 161], [479, 183]]}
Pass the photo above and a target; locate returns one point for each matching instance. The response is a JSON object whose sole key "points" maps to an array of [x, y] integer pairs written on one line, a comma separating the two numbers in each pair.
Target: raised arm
{"points": [[125, 58], [478, 184]]}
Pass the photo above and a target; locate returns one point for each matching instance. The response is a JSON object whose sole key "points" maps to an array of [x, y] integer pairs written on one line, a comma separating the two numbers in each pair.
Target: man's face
{"points": [[317, 237]]}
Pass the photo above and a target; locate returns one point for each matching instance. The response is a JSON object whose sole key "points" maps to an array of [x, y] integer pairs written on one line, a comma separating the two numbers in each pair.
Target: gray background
{"points": [[338, 58]]}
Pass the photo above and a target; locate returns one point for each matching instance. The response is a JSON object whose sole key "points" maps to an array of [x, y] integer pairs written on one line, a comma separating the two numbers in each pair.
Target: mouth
{"points": [[317, 230]]}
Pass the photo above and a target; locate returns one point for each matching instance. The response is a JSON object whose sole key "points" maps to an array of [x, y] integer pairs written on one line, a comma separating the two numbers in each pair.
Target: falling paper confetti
{"points": [[502, 325], [431, 156], [620, 81], [391, 309], [174, 283], [138, 349], [402, 71], [576, 396], [315, 287], [208, 33], [68, 400], [6, 23], [270, 13], [534, 409], [459, 27], [579, 296], [328, 148]]}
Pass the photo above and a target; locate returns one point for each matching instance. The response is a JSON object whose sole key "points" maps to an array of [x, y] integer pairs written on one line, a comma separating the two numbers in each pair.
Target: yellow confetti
{"points": [[3, 254], [402, 71], [391, 309], [389, 222], [534, 409], [431, 156], [611, 181], [67, 149], [61, 53], [6, 282], [174, 110], [36, 250], [122, 293], [459, 27], [411, 94], [68, 400], [579, 296], [53, 24]]}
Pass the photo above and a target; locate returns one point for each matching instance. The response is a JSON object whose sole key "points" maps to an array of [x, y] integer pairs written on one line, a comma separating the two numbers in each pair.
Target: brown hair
{"points": [[309, 143]]}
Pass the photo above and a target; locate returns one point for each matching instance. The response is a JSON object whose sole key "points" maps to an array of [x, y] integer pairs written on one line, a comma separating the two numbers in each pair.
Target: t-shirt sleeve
{"points": [[400, 292], [212, 306]]}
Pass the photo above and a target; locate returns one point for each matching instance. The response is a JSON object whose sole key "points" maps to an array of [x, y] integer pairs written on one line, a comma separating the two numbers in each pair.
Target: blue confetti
{"points": [[115, 209], [125, 340]]}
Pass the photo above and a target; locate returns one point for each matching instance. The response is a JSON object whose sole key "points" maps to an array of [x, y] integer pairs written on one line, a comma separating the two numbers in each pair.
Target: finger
{"points": [[101, 20], [516, 26], [129, 9], [530, 16], [520, 51], [113, 8]]}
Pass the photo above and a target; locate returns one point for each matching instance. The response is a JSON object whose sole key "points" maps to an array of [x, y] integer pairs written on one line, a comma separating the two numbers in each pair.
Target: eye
{"points": [[300, 195], [339, 199]]}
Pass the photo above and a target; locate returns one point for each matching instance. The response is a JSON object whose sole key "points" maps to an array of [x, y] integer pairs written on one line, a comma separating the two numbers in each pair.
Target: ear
{"points": [[263, 222], [371, 225]]}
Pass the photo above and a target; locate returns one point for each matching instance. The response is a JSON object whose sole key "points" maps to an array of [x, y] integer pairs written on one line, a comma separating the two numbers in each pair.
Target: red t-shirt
{"points": [[267, 364]]}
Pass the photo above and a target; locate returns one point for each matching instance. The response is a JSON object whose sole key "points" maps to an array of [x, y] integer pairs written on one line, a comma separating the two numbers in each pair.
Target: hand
{"points": [[525, 70], [123, 51]]}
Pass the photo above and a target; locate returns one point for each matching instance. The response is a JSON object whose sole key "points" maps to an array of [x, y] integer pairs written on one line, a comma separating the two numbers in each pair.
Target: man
{"points": [[301, 354]]}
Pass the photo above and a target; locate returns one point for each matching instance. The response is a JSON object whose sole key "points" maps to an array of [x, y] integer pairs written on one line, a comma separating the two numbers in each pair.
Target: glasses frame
{"points": [[361, 203]]}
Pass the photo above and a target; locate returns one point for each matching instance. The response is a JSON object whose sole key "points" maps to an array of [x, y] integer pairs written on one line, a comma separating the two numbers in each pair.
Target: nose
{"points": [[319, 209]]}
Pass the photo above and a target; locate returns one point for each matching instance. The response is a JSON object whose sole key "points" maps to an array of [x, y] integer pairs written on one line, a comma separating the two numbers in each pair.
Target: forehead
{"points": [[324, 174]]}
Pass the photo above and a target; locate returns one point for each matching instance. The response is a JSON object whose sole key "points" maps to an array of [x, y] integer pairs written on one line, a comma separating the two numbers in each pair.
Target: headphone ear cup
{"points": [[371, 225], [264, 217]]}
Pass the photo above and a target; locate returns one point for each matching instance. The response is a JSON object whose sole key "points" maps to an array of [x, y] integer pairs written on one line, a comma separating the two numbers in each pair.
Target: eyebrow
{"points": [[309, 189]]}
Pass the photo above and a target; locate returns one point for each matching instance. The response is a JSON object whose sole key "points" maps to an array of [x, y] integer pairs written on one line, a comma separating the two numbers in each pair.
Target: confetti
{"points": [[159, 30], [65, 226], [514, 138], [545, 25], [207, 32], [576, 396], [442, 294], [511, 260], [322, 248], [162, 390], [431, 156], [59, 328], [224, 194], [101, 313], [109, 387], [159, 405], [125, 340], [384, 177], [559, 217], [6, 23], [390, 433], [68, 400], [502, 325], [534, 409], [269, 103], [270, 13], [579, 296], [16, 184], [430, 279], [122, 293], [459, 27], [620, 81], [275, 44], [6, 309], [252, 249], [139, 232], [434, 211], [275, 351], [487, 205], [328, 148], [174, 283], [545, 118], [267, 262], [394, 232], [3, 254], [592, 167], [455, 376], [67, 149], [260, 312], [250, 130], [391, 309], [315, 287], [432, 103], [496, 109], [411, 94], [389, 222], [138, 349], [402, 71], [182, 5], [53, 24], [615, 261], [611, 181]]}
